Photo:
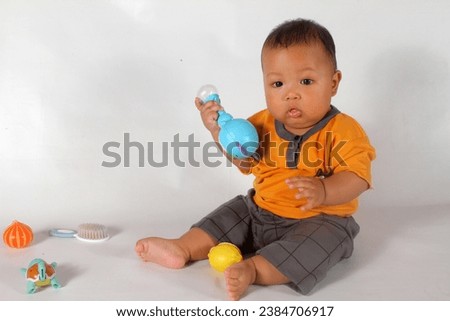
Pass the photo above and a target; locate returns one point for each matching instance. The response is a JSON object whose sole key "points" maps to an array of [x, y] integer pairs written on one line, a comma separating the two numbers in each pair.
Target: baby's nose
{"points": [[291, 95]]}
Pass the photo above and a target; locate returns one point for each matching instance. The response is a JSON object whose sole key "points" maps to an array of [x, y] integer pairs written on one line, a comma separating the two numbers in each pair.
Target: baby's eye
{"points": [[277, 84], [306, 82]]}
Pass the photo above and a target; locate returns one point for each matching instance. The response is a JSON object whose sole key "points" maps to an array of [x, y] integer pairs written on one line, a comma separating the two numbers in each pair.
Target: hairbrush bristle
{"points": [[91, 232]]}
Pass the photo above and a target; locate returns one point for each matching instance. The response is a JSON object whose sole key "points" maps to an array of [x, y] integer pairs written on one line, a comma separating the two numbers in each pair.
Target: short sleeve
{"points": [[351, 150]]}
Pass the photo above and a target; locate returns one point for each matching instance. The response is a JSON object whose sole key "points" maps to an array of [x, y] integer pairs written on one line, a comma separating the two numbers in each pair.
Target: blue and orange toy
{"points": [[237, 136], [39, 273]]}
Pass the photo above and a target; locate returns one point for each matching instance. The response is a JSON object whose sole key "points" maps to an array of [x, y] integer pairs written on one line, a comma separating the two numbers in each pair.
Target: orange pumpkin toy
{"points": [[18, 235]]}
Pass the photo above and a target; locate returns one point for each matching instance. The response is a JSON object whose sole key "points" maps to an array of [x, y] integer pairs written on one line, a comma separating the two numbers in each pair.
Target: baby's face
{"points": [[299, 82]]}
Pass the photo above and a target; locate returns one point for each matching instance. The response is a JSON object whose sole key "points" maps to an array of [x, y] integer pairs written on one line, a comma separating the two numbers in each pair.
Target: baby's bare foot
{"points": [[239, 277], [161, 251]]}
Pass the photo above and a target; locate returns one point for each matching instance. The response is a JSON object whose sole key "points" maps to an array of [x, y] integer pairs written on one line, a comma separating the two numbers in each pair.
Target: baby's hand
{"points": [[208, 112], [311, 188]]}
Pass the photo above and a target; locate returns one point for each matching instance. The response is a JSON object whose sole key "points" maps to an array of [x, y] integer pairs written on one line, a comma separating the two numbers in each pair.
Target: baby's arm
{"points": [[337, 189], [208, 112]]}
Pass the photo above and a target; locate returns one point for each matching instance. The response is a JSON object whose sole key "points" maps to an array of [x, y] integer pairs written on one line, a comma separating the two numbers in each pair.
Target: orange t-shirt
{"points": [[338, 143]]}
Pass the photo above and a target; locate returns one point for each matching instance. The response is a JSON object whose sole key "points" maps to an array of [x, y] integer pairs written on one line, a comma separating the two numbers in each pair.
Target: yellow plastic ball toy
{"points": [[223, 255]]}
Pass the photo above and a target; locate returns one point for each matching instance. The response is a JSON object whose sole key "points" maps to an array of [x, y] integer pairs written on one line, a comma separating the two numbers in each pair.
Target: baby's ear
{"points": [[335, 81]]}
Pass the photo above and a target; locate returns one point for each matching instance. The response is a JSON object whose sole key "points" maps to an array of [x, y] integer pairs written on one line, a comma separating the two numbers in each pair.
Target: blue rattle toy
{"points": [[237, 136]]}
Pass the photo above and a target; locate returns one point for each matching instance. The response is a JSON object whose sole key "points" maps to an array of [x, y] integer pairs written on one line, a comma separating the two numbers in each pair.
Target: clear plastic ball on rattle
{"points": [[207, 93]]}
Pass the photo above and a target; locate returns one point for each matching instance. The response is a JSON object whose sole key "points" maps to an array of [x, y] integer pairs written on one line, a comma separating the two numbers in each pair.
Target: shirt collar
{"points": [[287, 135], [296, 141]]}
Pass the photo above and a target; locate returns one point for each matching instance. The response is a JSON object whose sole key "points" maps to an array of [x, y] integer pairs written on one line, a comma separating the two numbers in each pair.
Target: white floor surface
{"points": [[400, 254]]}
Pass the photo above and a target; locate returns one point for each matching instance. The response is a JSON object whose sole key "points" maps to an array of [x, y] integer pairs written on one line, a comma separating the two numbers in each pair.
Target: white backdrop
{"points": [[75, 75]]}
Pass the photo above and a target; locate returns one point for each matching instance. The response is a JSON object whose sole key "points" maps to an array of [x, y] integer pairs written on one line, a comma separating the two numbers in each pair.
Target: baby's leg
{"points": [[255, 270], [175, 253]]}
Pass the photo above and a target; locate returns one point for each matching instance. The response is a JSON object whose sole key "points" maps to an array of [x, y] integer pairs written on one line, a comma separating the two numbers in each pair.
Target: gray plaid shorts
{"points": [[303, 250]]}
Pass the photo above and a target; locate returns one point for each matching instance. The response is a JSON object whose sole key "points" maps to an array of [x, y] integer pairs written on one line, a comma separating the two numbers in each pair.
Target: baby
{"points": [[313, 162]]}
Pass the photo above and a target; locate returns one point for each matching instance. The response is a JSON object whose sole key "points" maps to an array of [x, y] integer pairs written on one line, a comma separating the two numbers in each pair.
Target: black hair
{"points": [[301, 31]]}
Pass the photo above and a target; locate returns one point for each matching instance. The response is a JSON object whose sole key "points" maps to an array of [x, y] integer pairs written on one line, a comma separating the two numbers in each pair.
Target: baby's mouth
{"points": [[294, 113]]}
